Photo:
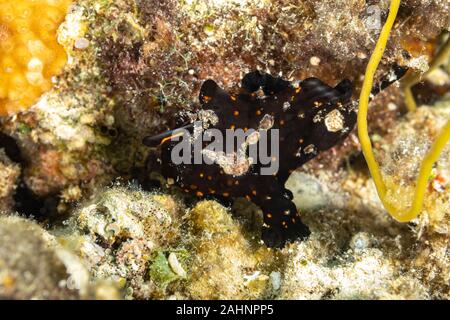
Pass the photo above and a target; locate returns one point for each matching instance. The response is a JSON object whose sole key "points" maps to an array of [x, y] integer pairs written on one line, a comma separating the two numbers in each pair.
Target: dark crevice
{"points": [[11, 148], [26, 202], [43, 209]]}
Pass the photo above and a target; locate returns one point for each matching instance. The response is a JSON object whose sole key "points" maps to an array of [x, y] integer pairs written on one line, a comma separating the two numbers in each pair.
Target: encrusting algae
{"points": [[29, 52]]}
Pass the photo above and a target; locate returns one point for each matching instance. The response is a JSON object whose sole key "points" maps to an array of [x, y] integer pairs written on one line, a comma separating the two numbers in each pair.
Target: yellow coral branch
{"points": [[431, 157], [365, 96]]}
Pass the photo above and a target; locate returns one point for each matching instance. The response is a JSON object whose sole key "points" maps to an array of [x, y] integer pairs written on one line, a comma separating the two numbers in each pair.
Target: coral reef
{"points": [[139, 245], [404, 148], [33, 266], [361, 271], [151, 247], [122, 70], [227, 262], [120, 234], [205, 253], [133, 65], [64, 137]]}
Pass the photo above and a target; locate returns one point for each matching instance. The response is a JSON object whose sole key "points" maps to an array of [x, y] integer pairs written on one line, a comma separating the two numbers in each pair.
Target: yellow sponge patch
{"points": [[29, 52]]}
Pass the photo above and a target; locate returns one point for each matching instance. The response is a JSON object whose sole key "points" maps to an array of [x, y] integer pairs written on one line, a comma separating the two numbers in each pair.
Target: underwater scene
{"points": [[224, 149]]}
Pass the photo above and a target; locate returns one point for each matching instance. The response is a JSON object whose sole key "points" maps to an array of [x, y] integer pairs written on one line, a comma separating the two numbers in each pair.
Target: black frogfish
{"points": [[298, 121]]}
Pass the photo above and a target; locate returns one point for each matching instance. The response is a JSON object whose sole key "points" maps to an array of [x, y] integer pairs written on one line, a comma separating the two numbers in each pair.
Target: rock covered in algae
{"points": [[404, 149], [152, 247], [367, 275], [346, 260], [227, 262], [34, 266], [366, 253], [401, 155], [225, 39], [356, 250], [119, 234]]}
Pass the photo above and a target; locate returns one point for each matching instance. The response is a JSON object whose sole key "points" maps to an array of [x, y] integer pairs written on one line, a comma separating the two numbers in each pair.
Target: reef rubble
{"points": [[133, 68]]}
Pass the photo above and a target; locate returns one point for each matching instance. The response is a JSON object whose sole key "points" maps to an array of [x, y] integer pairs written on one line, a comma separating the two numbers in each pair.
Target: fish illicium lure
{"points": [[308, 117]]}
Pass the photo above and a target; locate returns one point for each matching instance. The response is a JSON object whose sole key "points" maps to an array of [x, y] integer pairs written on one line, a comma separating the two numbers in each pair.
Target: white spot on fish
{"points": [[334, 121]]}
